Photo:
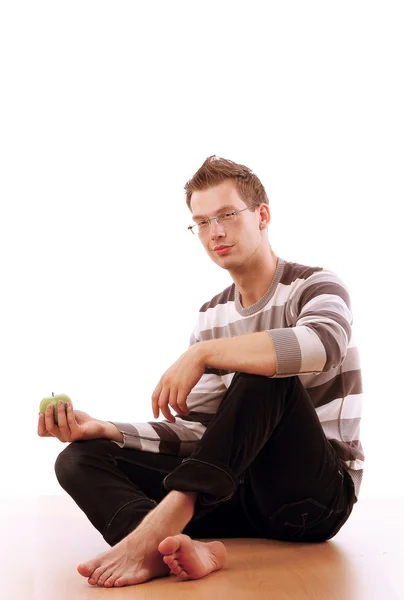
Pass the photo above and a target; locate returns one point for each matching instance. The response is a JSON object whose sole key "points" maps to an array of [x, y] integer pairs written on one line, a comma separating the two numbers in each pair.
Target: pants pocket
{"points": [[296, 520]]}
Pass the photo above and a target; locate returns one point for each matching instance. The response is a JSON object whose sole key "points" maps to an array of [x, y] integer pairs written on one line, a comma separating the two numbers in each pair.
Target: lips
{"points": [[221, 250]]}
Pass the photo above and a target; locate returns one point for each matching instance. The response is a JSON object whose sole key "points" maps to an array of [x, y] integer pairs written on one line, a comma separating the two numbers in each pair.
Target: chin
{"points": [[226, 264]]}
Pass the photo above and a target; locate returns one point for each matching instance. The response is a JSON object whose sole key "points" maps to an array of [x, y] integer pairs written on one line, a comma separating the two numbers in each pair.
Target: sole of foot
{"points": [[190, 559]]}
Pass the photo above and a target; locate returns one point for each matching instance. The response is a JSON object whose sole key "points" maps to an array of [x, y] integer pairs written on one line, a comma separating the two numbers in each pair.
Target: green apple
{"points": [[53, 400]]}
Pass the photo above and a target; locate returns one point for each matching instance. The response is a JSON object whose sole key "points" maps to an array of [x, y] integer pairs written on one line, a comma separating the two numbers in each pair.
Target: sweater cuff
{"points": [[126, 429], [287, 352]]}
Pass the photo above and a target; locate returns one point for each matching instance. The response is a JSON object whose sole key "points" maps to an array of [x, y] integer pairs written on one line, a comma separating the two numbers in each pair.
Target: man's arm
{"points": [[252, 353], [75, 425], [315, 341]]}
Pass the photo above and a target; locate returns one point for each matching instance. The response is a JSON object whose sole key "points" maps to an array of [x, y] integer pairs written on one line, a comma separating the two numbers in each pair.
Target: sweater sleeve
{"points": [[321, 321]]}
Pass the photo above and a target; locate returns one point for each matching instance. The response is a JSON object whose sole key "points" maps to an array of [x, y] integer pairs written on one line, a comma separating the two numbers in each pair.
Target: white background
{"points": [[106, 110]]}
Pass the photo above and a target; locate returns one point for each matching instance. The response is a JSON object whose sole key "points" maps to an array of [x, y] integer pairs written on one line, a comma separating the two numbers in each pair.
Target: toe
{"points": [[110, 581], [103, 578], [141, 576], [183, 574], [176, 569], [86, 569], [171, 562], [93, 580], [169, 545], [169, 559]]}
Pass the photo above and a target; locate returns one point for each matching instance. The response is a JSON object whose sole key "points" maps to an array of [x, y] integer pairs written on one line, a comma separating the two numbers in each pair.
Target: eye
{"points": [[203, 223], [228, 215]]}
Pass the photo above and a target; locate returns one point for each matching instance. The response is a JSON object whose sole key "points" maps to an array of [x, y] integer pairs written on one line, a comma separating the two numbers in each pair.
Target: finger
{"points": [[155, 399], [175, 397], [163, 404], [71, 419], [51, 427], [167, 413], [62, 420], [72, 427], [41, 426], [49, 418], [172, 400], [182, 401]]}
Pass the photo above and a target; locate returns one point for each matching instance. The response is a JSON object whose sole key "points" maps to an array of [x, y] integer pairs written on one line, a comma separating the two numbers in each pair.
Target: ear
{"points": [[265, 215]]}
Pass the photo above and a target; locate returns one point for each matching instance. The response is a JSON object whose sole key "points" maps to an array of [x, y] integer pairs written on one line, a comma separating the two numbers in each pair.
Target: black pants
{"points": [[263, 468]]}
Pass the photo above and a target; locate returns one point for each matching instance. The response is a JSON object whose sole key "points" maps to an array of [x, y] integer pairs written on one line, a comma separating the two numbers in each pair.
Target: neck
{"points": [[255, 278]]}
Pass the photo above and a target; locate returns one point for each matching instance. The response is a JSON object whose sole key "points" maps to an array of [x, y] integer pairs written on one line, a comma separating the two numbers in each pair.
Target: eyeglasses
{"points": [[226, 217]]}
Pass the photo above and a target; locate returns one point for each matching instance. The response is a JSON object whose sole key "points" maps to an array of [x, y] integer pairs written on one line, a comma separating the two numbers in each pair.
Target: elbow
{"points": [[335, 342]]}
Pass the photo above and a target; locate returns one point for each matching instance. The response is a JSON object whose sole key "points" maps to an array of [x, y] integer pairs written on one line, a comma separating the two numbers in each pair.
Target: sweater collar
{"points": [[254, 308]]}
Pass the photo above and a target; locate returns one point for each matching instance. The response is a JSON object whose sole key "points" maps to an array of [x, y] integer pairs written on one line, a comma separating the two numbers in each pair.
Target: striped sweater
{"points": [[307, 313]]}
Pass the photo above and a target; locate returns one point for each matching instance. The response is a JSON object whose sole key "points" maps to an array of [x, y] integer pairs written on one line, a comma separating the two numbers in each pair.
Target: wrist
{"points": [[202, 351], [111, 432]]}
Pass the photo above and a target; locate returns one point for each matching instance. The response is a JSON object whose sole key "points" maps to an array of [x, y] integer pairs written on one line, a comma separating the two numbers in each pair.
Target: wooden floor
{"points": [[43, 539]]}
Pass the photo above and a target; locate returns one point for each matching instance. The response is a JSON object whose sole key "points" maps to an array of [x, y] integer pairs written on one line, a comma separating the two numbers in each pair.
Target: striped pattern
{"points": [[307, 313]]}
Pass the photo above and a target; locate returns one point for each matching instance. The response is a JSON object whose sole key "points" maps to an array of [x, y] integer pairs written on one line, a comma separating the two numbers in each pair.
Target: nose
{"points": [[216, 230]]}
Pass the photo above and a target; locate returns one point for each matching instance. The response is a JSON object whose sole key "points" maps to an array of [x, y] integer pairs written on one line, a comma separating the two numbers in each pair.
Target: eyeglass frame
{"points": [[217, 219]]}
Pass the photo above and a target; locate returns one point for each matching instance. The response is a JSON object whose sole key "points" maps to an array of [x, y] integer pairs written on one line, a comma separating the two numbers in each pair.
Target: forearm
{"points": [[252, 353], [111, 432]]}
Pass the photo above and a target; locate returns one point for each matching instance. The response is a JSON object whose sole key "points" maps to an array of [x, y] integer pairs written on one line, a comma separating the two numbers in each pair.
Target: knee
{"points": [[72, 461], [263, 382], [258, 388], [68, 463]]}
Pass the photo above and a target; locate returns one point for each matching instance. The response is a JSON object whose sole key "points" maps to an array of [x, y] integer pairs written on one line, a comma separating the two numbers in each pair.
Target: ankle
{"points": [[186, 499], [172, 514]]}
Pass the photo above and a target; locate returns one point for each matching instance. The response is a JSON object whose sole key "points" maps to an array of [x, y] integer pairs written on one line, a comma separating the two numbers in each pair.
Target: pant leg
{"points": [[266, 432], [117, 487]]}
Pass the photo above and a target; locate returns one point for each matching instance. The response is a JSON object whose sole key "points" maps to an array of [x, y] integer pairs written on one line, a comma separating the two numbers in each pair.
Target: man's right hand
{"points": [[74, 425]]}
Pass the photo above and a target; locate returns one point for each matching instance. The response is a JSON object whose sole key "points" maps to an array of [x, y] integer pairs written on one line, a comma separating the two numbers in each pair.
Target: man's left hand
{"points": [[173, 388]]}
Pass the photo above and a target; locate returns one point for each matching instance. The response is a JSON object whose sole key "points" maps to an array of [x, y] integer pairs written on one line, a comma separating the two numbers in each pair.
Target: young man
{"points": [[261, 437]]}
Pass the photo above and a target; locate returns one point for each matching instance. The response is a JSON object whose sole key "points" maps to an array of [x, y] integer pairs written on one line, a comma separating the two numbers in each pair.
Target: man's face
{"points": [[231, 245]]}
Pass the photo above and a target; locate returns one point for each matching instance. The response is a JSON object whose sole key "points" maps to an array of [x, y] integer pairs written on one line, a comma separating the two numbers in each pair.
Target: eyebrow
{"points": [[220, 210]]}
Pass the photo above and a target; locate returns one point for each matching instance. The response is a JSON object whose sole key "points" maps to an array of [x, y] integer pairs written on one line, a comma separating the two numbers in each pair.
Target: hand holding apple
{"points": [[54, 401], [71, 425]]}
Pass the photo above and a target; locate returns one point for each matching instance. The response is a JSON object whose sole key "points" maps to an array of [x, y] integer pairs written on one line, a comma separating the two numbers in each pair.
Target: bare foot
{"points": [[136, 558], [190, 559], [131, 561]]}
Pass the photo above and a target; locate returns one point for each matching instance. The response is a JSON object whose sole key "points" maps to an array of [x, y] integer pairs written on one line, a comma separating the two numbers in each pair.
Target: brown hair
{"points": [[215, 170]]}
